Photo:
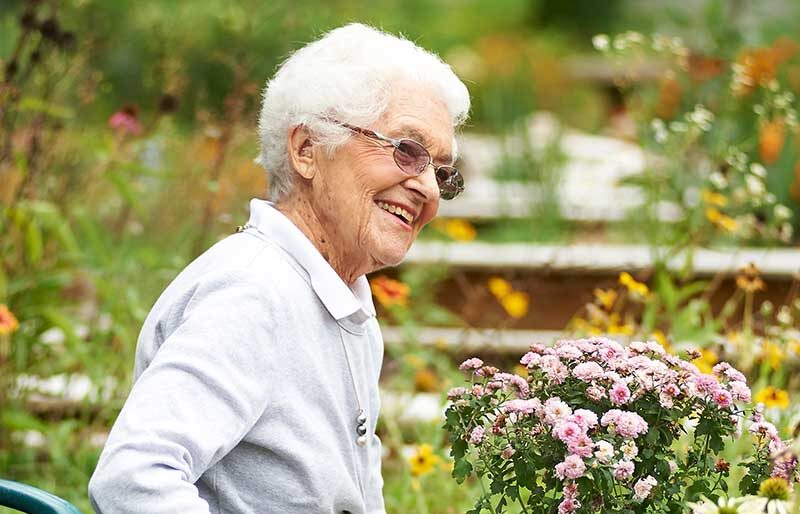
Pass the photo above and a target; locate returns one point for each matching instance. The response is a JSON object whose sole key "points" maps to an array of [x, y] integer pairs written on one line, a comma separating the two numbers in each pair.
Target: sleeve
{"points": [[375, 504], [201, 394]]}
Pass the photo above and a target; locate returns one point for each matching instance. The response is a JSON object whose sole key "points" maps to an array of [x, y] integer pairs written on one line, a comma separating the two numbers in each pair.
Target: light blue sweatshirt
{"points": [[243, 401]]}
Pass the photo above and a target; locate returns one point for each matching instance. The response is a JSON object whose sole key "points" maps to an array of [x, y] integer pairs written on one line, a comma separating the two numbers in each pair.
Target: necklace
{"points": [[361, 418]]}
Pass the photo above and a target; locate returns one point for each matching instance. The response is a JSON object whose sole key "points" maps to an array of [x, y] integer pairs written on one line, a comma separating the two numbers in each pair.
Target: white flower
{"points": [[719, 180], [701, 117], [629, 450], [53, 336], [709, 507], [678, 126], [644, 486], [755, 186], [758, 169], [784, 316], [760, 505], [782, 212], [604, 452], [786, 232], [600, 42]]}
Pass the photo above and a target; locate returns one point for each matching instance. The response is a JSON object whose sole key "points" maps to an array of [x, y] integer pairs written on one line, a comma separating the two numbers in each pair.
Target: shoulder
{"points": [[240, 273]]}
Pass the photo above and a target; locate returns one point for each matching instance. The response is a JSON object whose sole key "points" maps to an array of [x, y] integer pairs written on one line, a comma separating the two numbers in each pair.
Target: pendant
{"points": [[361, 428]]}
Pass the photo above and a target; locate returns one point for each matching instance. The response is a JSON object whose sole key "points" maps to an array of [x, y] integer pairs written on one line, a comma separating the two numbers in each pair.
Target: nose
{"points": [[425, 184]]}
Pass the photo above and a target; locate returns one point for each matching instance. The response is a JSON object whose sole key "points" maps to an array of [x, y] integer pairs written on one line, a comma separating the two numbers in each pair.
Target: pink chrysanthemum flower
{"points": [[477, 435], [585, 418], [643, 487], [568, 505], [587, 371], [624, 470], [473, 363], [567, 431], [572, 467], [619, 394]]}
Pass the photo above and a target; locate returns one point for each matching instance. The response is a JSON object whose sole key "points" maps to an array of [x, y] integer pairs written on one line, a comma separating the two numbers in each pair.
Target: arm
{"points": [[199, 397]]}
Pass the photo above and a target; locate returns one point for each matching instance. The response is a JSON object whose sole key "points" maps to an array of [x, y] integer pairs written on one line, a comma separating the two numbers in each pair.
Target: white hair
{"points": [[347, 75]]}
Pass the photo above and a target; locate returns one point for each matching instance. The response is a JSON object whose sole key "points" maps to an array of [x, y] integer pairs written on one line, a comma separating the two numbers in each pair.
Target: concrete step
{"points": [[774, 263]]}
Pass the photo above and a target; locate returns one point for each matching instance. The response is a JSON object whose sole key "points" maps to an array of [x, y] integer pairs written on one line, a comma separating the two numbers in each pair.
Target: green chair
{"points": [[29, 499]]}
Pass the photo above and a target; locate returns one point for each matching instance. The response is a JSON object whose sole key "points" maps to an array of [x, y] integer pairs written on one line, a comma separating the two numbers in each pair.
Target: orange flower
{"points": [[8, 322], [749, 279], [760, 65], [669, 98], [771, 138], [703, 68], [389, 292], [426, 381]]}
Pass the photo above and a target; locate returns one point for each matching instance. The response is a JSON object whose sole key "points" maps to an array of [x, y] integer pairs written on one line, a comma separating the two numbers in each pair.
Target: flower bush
{"points": [[594, 428]]}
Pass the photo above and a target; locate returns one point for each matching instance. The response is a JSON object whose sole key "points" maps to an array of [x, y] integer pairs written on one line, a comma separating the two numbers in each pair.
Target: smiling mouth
{"points": [[400, 213]]}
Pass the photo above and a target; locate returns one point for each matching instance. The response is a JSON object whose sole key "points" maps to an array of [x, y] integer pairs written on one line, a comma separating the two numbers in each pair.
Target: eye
{"points": [[411, 155]]}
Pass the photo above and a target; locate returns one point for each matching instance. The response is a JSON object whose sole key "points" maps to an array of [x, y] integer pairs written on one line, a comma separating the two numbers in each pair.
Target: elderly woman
{"points": [[257, 370]]}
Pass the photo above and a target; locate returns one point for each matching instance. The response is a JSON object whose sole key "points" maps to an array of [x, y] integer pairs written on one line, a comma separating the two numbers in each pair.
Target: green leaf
{"points": [[33, 243], [33, 104]]}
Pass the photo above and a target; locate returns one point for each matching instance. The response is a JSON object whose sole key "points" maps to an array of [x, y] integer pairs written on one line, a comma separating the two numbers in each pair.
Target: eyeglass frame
{"points": [[376, 136]]}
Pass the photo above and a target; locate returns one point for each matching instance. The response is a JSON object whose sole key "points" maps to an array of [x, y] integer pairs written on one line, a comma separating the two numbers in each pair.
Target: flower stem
{"points": [[488, 496]]}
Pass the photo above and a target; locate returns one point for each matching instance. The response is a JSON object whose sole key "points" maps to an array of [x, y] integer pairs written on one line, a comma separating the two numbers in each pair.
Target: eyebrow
{"points": [[418, 136]]}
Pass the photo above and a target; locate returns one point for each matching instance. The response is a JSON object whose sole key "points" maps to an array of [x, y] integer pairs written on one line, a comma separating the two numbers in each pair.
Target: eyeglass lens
{"points": [[413, 158]]}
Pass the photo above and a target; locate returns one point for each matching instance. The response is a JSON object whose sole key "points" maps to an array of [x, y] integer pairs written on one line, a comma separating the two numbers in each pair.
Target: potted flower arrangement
{"points": [[599, 427]]}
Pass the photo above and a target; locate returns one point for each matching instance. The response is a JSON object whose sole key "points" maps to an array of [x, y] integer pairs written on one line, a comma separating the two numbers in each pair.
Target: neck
{"points": [[300, 211]]}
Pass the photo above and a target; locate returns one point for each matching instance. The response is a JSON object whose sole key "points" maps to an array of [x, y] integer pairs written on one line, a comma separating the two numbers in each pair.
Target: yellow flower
{"points": [[425, 381], [712, 198], [633, 286], [414, 361], [773, 397], [606, 298], [8, 322], [734, 337], [448, 465], [515, 304], [499, 287], [625, 329], [772, 353], [423, 461], [661, 339], [722, 221], [749, 279], [459, 230], [389, 292], [794, 344], [707, 360], [774, 488]]}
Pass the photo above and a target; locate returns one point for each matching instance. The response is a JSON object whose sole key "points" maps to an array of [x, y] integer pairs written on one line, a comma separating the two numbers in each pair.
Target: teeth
{"points": [[396, 210]]}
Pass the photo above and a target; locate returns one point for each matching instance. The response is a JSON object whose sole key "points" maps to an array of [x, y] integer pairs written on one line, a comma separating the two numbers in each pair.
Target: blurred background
{"points": [[632, 170]]}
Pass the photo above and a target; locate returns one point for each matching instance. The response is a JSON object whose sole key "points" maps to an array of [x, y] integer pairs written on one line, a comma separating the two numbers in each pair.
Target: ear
{"points": [[301, 155]]}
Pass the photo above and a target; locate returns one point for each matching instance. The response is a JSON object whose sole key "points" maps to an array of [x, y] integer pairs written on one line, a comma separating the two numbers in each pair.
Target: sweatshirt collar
{"points": [[341, 301]]}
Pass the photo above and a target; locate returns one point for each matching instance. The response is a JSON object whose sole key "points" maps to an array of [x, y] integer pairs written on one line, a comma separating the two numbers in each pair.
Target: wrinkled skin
{"points": [[334, 199]]}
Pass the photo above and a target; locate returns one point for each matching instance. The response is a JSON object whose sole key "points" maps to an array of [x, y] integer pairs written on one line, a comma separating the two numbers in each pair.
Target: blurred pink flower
{"points": [[125, 121]]}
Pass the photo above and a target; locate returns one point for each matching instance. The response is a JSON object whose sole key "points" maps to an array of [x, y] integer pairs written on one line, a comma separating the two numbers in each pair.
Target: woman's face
{"points": [[354, 191]]}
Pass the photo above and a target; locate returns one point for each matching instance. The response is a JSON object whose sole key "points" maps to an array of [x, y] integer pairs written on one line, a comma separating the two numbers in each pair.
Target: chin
{"points": [[390, 256]]}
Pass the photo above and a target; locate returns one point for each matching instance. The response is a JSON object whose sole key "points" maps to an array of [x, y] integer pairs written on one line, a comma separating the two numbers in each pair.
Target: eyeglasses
{"points": [[413, 159]]}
